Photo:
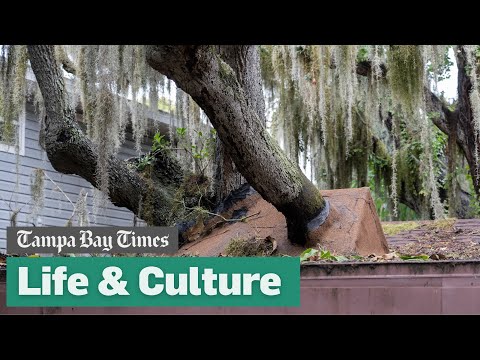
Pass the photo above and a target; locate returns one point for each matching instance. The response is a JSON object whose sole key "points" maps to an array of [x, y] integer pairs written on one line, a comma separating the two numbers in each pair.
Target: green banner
{"points": [[161, 281]]}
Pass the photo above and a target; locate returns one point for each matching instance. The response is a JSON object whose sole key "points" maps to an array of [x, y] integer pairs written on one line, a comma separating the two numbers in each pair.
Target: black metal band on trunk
{"points": [[320, 218]]}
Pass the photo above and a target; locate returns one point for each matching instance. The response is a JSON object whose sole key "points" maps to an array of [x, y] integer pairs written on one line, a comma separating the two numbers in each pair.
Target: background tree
{"points": [[371, 115]]}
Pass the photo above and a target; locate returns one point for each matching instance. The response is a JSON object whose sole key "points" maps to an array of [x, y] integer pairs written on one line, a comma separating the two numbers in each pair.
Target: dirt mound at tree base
{"points": [[351, 227]]}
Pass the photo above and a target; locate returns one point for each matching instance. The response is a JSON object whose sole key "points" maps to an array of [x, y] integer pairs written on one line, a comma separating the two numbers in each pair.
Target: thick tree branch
{"points": [[364, 68], [71, 152], [227, 177], [245, 62], [438, 110]]}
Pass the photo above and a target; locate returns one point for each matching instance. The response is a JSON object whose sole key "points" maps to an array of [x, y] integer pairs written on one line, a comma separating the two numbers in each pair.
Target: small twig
{"points": [[70, 201], [10, 206], [200, 198], [243, 218], [59, 188], [14, 212], [75, 207]]}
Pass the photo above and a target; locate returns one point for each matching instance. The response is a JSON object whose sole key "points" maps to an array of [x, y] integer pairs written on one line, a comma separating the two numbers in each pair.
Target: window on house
{"points": [[8, 140]]}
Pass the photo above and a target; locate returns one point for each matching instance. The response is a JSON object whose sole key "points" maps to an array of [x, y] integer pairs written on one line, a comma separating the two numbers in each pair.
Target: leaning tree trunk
{"points": [[465, 124], [245, 62], [202, 73], [71, 152]]}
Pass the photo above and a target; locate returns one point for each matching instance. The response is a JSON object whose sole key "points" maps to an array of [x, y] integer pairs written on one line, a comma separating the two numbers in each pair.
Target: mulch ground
{"points": [[460, 240]]}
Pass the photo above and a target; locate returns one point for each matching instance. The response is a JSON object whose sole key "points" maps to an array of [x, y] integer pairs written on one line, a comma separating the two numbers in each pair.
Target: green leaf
{"points": [[307, 254], [306, 251], [325, 254], [341, 258], [181, 131]]}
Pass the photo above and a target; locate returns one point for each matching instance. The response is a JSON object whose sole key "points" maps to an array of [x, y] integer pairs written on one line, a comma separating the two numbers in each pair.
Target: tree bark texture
{"points": [[245, 62]]}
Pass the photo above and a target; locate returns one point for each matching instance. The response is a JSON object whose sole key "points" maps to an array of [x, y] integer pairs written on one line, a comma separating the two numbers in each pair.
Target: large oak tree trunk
{"points": [[464, 118], [245, 62], [227, 178], [232, 108]]}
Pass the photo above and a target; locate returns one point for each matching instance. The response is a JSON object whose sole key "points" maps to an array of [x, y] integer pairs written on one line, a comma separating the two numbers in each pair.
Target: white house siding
{"points": [[57, 209]]}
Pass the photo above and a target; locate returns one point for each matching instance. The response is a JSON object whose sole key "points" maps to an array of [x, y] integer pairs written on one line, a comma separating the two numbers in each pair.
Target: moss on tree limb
{"points": [[233, 109], [71, 152], [459, 121]]}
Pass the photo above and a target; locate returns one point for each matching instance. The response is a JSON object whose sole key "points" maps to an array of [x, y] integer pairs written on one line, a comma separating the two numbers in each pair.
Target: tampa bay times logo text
{"points": [[37, 240]]}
